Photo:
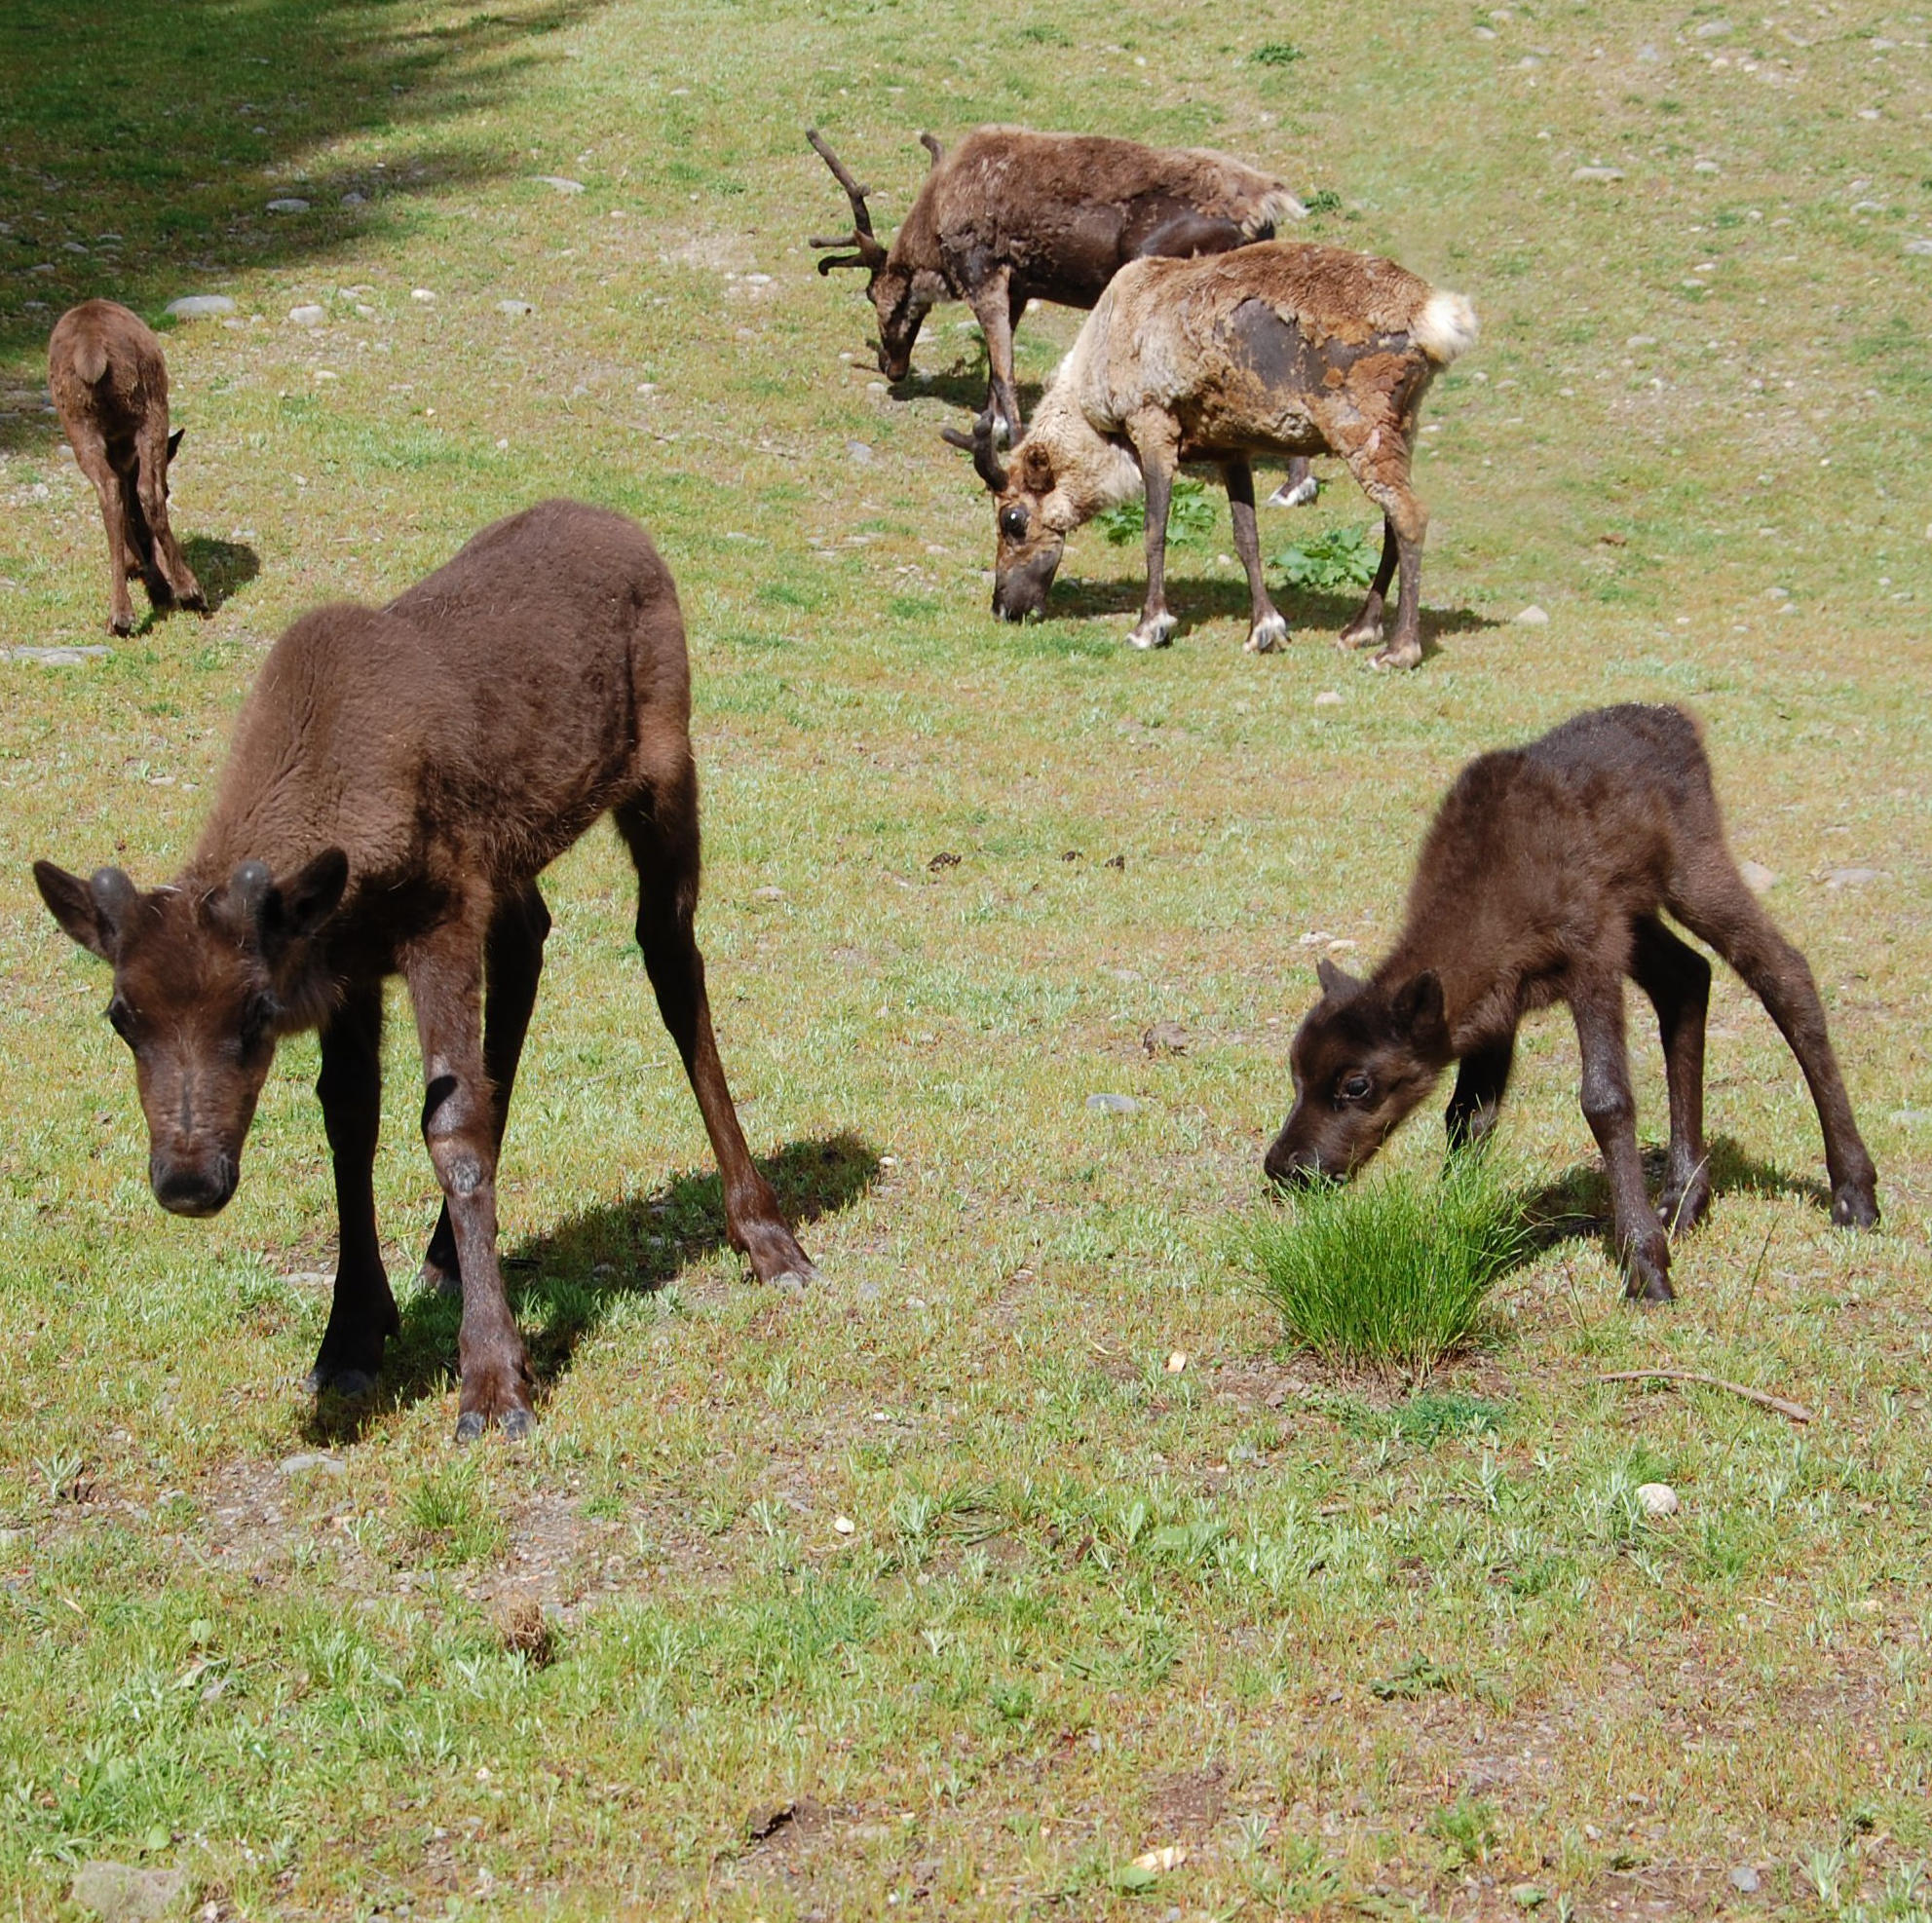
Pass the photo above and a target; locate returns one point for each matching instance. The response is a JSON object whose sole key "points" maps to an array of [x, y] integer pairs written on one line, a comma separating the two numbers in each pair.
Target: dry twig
{"points": [[1796, 1411]]}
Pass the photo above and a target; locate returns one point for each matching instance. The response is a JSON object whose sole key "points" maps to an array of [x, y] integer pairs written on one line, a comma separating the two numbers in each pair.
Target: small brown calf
{"points": [[109, 384], [1542, 881], [398, 781]]}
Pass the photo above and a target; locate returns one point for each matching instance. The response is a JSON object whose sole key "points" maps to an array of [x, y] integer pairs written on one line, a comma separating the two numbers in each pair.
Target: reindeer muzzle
{"points": [[197, 1186]]}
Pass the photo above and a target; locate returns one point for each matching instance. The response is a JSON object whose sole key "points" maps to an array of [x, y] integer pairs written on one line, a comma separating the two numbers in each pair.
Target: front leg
{"points": [[444, 973], [1266, 630], [1596, 1002], [1156, 451], [1480, 1083], [992, 307], [361, 1315]]}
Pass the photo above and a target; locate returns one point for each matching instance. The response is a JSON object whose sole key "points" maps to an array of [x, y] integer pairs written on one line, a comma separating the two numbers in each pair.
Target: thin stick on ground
{"points": [[1796, 1411]]}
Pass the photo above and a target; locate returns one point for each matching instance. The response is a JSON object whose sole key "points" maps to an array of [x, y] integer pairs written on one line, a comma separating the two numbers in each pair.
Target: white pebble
{"points": [[514, 307], [844, 1525], [289, 205], [1532, 617], [1328, 698], [562, 182], [308, 314], [1599, 173], [423, 294], [201, 307], [1657, 1500]]}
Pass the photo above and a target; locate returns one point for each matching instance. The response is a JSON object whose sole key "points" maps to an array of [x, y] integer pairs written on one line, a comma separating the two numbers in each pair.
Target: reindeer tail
{"points": [[90, 360], [1445, 327], [1270, 212]]}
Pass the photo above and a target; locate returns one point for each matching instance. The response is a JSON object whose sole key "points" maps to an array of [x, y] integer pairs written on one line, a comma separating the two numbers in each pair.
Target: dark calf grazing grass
{"points": [[1355, 1654]]}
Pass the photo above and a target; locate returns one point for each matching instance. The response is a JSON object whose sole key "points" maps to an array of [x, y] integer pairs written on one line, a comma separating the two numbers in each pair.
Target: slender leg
{"points": [[1677, 981], [445, 971], [1712, 899], [1596, 1002], [660, 830], [1365, 630], [512, 962], [151, 448], [992, 308], [1480, 1082], [1156, 626], [361, 1317], [1266, 630], [92, 458]]}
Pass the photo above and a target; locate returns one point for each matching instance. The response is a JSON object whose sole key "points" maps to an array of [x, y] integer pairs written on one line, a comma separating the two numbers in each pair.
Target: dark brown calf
{"points": [[398, 781], [1542, 881], [109, 384]]}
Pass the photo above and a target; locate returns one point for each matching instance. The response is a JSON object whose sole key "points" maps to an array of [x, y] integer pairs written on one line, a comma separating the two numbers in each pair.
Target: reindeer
{"points": [[1010, 216], [1543, 880], [109, 383], [398, 781], [1278, 348]]}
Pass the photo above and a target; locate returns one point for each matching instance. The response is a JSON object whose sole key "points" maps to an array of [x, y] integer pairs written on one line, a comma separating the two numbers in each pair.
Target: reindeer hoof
{"points": [[1855, 1208], [1294, 494], [1158, 632], [1401, 656], [122, 624], [516, 1424], [1267, 638], [1646, 1275], [351, 1384]]}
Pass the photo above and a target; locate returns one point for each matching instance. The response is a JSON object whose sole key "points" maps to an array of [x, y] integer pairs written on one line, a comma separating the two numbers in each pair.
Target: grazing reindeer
{"points": [[398, 781], [110, 387], [1010, 216], [1542, 881], [1278, 348]]}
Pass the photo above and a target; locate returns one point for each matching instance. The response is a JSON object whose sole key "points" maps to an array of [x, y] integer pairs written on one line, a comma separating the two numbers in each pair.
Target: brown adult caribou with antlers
{"points": [[399, 777], [1010, 216]]}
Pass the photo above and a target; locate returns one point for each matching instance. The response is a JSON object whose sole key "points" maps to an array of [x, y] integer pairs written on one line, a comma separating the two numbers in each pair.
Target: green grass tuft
{"points": [[1391, 1275]]}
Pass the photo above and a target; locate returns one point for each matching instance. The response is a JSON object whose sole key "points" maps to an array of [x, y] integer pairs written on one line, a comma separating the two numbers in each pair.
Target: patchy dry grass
{"points": [[1345, 1653]]}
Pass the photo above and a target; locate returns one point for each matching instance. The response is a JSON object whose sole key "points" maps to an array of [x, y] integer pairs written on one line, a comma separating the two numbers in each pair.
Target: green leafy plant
{"points": [[1278, 54], [1327, 200], [1190, 516], [1391, 1275], [1339, 557]]}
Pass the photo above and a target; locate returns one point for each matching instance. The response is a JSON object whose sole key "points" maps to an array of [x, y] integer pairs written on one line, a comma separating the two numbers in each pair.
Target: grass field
{"points": [[939, 1590]]}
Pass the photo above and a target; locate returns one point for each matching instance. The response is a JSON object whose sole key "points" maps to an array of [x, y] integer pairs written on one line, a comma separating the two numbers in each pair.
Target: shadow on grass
{"points": [[1575, 1205], [222, 567], [143, 144], [561, 1284]]}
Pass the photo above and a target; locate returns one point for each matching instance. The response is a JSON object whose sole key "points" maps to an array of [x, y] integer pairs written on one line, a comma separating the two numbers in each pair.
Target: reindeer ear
{"points": [[1415, 1007], [312, 894], [1336, 981], [91, 912], [175, 442]]}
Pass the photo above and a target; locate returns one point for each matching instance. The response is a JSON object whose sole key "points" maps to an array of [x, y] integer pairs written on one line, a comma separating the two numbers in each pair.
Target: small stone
{"points": [[1756, 876], [308, 314], [1176, 1363], [1918, 244], [1710, 30], [1165, 1038], [199, 307], [1705, 166], [858, 451], [1532, 617], [562, 182], [119, 1893], [1328, 698], [354, 199], [514, 307], [1657, 1499], [844, 1525], [313, 1458], [424, 294], [60, 656], [768, 895], [1169, 1856], [757, 279], [288, 204], [1743, 1880], [1113, 1104], [1599, 173], [1853, 878]]}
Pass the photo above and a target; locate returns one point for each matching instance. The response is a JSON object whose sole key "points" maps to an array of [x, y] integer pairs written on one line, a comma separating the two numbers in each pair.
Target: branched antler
{"points": [[871, 252], [979, 444]]}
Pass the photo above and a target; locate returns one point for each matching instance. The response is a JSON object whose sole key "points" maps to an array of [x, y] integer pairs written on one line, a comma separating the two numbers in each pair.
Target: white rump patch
{"points": [[1445, 327]]}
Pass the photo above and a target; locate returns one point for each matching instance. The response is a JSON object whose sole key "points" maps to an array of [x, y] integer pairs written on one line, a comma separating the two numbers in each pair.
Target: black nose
{"points": [[193, 1189], [1290, 1167]]}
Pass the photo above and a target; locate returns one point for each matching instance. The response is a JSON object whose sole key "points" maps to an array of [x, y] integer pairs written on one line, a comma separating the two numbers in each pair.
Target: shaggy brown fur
{"points": [[398, 781], [1276, 347], [1010, 216], [109, 383], [1542, 881]]}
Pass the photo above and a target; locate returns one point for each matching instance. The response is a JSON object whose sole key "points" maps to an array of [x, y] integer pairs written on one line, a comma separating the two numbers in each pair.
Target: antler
{"points": [[985, 463], [930, 142], [871, 252]]}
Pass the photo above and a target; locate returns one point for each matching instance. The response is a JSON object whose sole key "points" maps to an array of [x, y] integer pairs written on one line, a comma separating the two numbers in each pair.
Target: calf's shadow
{"points": [[561, 1284]]}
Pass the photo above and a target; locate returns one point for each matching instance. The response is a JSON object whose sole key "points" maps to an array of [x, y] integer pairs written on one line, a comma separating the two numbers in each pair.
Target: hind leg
{"points": [[1380, 464], [90, 455], [1676, 979], [154, 450], [1365, 630], [1711, 898], [1266, 630], [660, 830], [512, 962]]}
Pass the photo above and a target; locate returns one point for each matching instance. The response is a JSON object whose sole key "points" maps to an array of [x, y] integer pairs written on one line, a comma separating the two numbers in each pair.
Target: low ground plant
{"points": [[1391, 1274]]}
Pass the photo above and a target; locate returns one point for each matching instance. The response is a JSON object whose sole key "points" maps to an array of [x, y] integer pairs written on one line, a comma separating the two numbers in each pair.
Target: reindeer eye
{"points": [[1355, 1088], [121, 1019], [1012, 521]]}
